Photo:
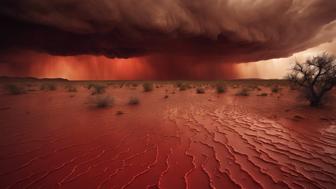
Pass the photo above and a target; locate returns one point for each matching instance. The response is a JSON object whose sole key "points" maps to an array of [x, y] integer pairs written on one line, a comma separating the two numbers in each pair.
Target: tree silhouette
{"points": [[316, 76]]}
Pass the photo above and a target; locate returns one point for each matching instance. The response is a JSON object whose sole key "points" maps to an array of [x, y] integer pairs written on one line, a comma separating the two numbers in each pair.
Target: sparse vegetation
{"points": [[276, 89], [133, 101], [48, 87], [243, 92], [166, 96], [71, 89], [178, 84], [103, 101], [147, 87], [220, 88], [183, 87], [316, 76], [14, 89], [97, 89], [200, 90], [263, 94]]}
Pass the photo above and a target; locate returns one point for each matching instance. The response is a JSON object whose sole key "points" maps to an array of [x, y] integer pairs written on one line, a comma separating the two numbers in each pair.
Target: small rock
{"points": [[298, 117]]}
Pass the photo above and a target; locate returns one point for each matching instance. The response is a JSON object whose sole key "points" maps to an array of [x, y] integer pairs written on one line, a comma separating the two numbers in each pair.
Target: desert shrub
{"points": [[103, 101], [97, 89], [275, 89], [183, 86], [200, 90], [133, 101], [166, 96], [316, 77], [48, 87], [243, 92], [147, 87], [178, 84], [14, 89], [263, 94], [71, 89], [220, 88]]}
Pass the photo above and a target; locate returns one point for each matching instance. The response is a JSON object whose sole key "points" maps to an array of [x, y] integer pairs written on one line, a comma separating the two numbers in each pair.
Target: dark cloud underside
{"points": [[229, 30]]}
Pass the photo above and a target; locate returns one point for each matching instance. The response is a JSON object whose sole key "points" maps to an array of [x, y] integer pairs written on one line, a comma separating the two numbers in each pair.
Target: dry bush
{"points": [[184, 86], [14, 89], [133, 101], [103, 101], [200, 90], [221, 88], [97, 89], [71, 88], [243, 92], [276, 89], [316, 77], [48, 87], [263, 94], [147, 87]]}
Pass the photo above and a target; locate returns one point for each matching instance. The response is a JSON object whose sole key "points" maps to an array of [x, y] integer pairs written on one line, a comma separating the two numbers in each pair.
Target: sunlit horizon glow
{"points": [[90, 67]]}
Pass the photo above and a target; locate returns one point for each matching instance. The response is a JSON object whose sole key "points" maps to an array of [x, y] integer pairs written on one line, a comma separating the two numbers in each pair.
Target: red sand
{"points": [[53, 140]]}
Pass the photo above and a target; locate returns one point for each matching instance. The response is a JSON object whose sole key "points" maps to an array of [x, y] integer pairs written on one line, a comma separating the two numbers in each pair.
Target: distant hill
{"points": [[8, 79]]}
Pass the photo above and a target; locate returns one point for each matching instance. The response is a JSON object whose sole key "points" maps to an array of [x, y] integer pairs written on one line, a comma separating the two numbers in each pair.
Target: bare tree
{"points": [[316, 76]]}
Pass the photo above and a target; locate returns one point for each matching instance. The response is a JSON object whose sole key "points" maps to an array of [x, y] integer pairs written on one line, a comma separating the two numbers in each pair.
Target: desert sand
{"points": [[171, 139]]}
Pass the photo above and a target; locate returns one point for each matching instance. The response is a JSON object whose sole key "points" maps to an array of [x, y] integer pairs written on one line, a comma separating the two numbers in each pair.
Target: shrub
{"points": [[316, 76], [179, 84], [243, 92], [183, 87], [133, 101], [263, 94], [200, 91], [221, 89], [97, 89], [103, 101], [147, 87], [71, 89], [48, 87], [14, 89], [276, 89]]}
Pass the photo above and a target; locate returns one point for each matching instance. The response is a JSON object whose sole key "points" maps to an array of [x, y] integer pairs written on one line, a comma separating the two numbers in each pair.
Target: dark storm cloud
{"points": [[232, 30]]}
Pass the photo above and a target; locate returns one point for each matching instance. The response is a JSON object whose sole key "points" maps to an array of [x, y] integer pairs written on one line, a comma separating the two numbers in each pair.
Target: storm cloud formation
{"points": [[232, 30]]}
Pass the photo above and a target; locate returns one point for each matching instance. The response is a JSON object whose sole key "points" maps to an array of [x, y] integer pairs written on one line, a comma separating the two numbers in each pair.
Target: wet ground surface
{"points": [[55, 140]]}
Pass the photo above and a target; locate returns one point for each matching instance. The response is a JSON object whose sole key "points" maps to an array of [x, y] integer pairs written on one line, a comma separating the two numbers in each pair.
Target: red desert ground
{"points": [[157, 94], [54, 136]]}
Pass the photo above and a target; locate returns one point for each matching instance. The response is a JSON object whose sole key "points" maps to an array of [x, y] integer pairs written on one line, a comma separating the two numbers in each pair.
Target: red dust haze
{"points": [[91, 67]]}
